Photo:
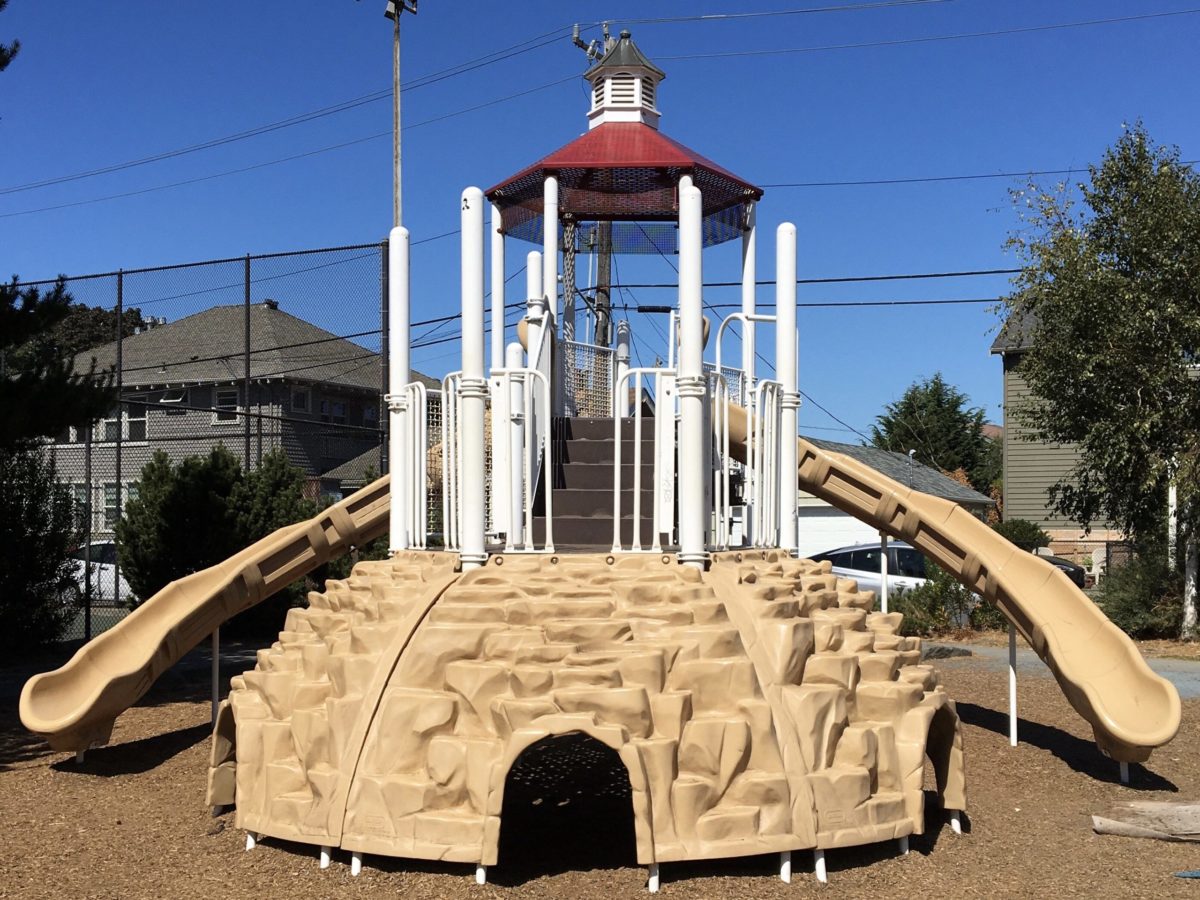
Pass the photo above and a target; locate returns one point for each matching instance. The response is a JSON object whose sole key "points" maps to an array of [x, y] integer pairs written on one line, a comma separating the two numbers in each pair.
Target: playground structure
{"points": [[623, 568]]}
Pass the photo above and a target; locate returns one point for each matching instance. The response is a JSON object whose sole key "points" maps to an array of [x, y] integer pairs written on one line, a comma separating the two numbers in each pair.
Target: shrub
{"points": [[1023, 533], [39, 595], [985, 616], [1144, 598], [935, 607]]}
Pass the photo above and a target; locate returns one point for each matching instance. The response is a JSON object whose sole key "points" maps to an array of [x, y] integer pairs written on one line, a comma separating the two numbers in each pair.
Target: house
{"points": [[1032, 467], [184, 389], [823, 527]]}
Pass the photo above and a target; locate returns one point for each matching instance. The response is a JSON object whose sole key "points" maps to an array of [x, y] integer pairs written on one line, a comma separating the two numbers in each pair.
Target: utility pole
{"points": [[602, 301], [393, 12]]}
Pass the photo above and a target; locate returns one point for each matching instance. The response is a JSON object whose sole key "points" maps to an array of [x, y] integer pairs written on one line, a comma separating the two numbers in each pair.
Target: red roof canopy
{"points": [[622, 171]]}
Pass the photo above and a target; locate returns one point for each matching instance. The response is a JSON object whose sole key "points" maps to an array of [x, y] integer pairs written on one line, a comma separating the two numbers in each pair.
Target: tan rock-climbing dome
{"points": [[759, 706]]}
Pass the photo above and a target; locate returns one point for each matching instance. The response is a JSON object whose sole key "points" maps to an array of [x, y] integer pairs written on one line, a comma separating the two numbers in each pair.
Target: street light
{"points": [[393, 11]]}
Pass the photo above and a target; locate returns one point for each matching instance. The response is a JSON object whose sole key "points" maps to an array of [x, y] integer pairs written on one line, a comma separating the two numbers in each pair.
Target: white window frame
{"points": [[143, 407], [219, 410], [172, 405]]}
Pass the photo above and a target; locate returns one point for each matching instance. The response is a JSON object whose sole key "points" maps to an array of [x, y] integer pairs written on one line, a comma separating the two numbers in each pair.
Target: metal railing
{"points": [[525, 448], [663, 450], [721, 464], [451, 461], [586, 372], [414, 468], [762, 463]]}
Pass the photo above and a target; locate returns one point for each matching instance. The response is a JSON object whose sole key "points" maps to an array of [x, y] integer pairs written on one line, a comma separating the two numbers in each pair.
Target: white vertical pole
{"points": [[481, 874], [474, 390], [516, 448], [904, 845], [550, 244], [652, 882], [534, 305], [1124, 768], [356, 863], [956, 821], [883, 572], [497, 264], [621, 399], [216, 672], [819, 860], [251, 840], [1012, 685], [785, 371], [325, 857], [749, 274], [785, 866], [398, 378], [691, 391]]}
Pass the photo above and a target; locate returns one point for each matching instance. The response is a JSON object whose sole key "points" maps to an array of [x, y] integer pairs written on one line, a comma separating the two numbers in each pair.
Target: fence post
{"points": [[120, 423], [87, 534], [385, 348], [246, 375]]}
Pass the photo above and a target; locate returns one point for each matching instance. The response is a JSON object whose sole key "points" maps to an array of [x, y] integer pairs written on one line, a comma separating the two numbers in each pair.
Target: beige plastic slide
{"points": [[74, 707], [1130, 708]]}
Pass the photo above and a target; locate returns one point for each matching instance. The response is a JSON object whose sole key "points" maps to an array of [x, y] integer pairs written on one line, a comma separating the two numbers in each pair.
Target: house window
{"points": [[174, 401], [225, 409], [110, 427], [135, 419], [333, 411], [111, 512], [79, 494], [371, 416], [300, 400]]}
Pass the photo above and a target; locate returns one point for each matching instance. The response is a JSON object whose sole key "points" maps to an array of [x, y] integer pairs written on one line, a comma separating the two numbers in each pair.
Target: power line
{"points": [[846, 279], [928, 40], [725, 17], [937, 178], [292, 158]]}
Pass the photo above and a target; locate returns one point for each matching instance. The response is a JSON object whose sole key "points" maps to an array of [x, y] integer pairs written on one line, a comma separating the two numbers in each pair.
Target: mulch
{"points": [[131, 822]]}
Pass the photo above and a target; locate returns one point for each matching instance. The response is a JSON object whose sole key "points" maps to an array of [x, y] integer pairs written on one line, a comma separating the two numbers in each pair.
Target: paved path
{"points": [[1183, 673]]}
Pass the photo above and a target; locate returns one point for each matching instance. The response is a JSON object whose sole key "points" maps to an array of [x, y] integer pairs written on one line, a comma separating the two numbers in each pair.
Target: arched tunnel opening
{"points": [[568, 806]]}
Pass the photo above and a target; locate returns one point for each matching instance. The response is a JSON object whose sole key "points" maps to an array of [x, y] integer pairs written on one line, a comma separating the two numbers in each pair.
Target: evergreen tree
{"points": [[934, 419]]}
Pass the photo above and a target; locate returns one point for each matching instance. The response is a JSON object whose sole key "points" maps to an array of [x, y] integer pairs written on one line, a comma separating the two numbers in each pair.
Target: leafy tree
{"points": [[1108, 297], [1025, 534], [934, 419], [39, 595], [270, 497], [181, 520], [7, 51], [40, 394]]}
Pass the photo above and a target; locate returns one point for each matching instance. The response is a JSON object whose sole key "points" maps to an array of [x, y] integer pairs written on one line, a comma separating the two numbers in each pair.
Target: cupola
{"points": [[624, 86]]}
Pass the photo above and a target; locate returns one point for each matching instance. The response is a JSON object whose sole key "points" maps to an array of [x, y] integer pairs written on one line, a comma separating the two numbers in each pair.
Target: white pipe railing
{"points": [[747, 321], [662, 449], [533, 445], [762, 461], [414, 468], [722, 525], [451, 462]]}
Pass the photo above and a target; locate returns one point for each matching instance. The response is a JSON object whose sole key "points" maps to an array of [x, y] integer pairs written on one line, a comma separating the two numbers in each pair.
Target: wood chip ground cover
{"points": [[131, 821]]}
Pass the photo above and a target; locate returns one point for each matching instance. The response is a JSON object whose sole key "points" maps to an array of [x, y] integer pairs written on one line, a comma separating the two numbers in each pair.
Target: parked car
{"points": [[906, 565], [1075, 572], [108, 586]]}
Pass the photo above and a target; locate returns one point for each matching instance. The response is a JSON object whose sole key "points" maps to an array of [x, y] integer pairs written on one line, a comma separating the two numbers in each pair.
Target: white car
{"points": [[906, 566], [109, 587]]}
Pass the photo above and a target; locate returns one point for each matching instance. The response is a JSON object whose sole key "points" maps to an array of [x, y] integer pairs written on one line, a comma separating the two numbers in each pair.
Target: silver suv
{"points": [[905, 565]]}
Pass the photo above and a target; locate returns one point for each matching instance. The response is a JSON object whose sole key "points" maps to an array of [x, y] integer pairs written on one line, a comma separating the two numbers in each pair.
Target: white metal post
{"points": [[691, 390], [749, 274], [481, 874], [474, 389], [785, 866], [326, 855], [398, 378], [652, 880], [356, 859], [516, 448], [956, 821], [883, 572], [621, 395], [1012, 685], [819, 866], [785, 371], [499, 513], [497, 264], [535, 307], [550, 243]]}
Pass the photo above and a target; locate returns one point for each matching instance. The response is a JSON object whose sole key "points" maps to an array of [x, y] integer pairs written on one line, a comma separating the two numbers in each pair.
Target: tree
{"points": [[39, 595], [181, 520], [1108, 295], [934, 419], [7, 51], [40, 393]]}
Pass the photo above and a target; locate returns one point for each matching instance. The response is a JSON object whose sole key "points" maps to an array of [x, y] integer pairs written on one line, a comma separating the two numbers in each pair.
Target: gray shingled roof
{"points": [[353, 473], [896, 466], [624, 55], [209, 347], [1014, 333]]}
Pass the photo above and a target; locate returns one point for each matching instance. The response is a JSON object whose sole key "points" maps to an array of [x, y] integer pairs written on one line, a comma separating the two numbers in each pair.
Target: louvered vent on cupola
{"points": [[624, 85]]}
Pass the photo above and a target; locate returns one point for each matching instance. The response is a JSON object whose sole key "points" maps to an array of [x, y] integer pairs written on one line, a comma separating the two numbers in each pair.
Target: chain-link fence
{"points": [[272, 353]]}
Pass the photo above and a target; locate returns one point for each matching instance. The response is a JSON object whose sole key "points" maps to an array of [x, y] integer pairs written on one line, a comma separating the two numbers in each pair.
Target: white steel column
{"points": [[693, 516], [785, 371], [550, 244], [535, 305], [516, 448], [621, 398], [883, 573], [497, 264], [398, 378], [749, 274], [474, 390], [1012, 685]]}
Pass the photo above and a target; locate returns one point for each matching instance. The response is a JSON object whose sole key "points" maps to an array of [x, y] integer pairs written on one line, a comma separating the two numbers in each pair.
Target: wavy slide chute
{"points": [[74, 707], [1131, 709]]}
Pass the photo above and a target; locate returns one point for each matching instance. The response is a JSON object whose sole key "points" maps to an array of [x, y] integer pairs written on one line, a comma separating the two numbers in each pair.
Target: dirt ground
{"points": [[131, 822]]}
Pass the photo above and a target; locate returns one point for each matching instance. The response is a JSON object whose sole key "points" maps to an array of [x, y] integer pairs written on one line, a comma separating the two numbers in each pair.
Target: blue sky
{"points": [[100, 84]]}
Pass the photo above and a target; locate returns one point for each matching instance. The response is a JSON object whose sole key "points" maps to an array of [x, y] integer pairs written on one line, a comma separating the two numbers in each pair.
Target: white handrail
{"points": [[637, 375], [762, 462], [451, 463], [536, 439], [722, 500], [415, 466]]}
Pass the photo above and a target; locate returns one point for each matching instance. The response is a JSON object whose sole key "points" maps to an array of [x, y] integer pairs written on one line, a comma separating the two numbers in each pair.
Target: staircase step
{"points": [[588, 532], [598, 502], [584, 428], [599, 475], [602, 451]]}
